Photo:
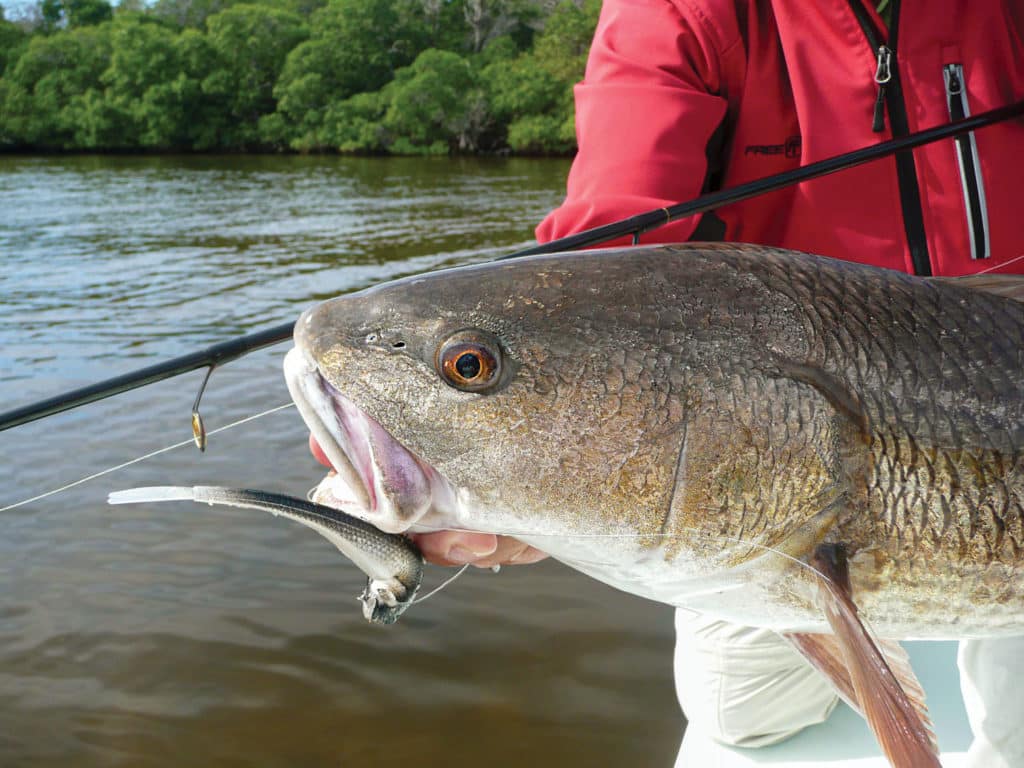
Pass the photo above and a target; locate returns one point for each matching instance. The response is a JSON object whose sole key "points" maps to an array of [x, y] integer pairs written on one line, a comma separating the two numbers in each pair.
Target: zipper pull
{"points": [[883, 74], [953, 85]]}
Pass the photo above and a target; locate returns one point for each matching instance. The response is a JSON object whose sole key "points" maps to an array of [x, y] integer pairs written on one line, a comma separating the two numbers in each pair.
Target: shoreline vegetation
{"points": [[360, 77]]}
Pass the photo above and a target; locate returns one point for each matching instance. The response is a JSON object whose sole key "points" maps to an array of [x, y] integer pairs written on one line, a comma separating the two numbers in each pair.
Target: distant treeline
{"points": [[354, 76]]}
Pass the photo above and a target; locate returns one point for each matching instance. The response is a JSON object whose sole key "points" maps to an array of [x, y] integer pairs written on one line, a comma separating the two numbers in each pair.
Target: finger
{"points": [[510, 551], [528, 555], [482, 550], [455, 547]]}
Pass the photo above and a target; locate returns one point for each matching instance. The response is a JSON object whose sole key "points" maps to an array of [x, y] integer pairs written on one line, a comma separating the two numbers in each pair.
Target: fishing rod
{"points": [[225, 351]]}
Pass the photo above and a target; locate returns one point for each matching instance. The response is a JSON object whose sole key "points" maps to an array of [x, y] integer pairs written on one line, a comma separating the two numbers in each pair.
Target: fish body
{"points": [[689, 423]]}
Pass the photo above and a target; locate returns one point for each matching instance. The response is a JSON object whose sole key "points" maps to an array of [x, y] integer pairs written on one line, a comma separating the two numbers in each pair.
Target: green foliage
{"points": [[561, 50], [153, 92], [15, 105], [532, 94], [52, 13], [488, 19], [74, 13], [200, 111], [249, 45], [130, 7], [519, 87], [194, 13], [542, 134], [46, 90], [355, 47], [187, 13], [354, 125], [12, 41], [441, 21], [82, 13], [359, 76], [435, 105]]}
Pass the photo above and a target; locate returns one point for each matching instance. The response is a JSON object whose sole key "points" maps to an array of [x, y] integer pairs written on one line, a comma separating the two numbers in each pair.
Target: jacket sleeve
{"points": [[645, 112]]}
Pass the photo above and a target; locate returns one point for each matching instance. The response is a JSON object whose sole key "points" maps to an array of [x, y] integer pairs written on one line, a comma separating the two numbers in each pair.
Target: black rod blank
{"points": [[213, 355], [220, 353]]}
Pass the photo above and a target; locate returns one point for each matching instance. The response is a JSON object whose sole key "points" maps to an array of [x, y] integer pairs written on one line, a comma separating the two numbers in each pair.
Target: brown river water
{"points": [[179, 634]]}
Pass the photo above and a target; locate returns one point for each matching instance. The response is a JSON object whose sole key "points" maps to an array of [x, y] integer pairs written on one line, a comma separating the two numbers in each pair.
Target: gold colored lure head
{"points": [[198, 431], [198, 427]]}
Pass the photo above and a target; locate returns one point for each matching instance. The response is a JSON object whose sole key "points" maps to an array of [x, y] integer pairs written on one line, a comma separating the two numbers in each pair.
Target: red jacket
{"points": [[763, 86]]}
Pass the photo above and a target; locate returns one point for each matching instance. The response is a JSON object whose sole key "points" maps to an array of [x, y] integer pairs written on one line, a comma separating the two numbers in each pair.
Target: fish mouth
{"points": [[375, 478]]}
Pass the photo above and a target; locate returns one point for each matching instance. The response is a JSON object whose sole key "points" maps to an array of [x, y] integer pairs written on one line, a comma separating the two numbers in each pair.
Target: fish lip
{"points": [[302, 377], [357, 458], [393, 488]]}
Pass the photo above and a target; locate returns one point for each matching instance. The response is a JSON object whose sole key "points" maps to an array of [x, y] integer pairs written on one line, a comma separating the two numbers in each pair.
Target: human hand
{"points": [[484, 550]]}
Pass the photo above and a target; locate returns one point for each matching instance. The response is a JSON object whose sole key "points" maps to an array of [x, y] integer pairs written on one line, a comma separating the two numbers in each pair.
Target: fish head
{"points": [[521, 395]]}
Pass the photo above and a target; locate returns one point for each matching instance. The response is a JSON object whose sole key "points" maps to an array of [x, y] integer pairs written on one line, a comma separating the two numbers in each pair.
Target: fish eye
{"points": [[469, 360]]}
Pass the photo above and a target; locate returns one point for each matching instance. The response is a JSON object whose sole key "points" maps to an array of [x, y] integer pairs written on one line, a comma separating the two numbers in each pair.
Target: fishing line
{"points": [[150, 455], [716, 536], [1000, 266], [443, 584]]}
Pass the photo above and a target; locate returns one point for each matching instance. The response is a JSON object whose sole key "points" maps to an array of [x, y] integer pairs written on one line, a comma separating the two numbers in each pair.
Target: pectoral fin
{"points": [[826, 655], [873, 677]]}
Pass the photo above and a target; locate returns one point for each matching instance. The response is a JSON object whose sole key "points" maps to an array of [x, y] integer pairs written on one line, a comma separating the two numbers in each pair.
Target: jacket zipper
{"points": [[967, 158], [890, 98], [883, 74]]}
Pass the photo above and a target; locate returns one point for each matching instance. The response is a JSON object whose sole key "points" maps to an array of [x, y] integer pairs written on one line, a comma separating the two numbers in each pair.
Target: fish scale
{"points": [[928, 499]]}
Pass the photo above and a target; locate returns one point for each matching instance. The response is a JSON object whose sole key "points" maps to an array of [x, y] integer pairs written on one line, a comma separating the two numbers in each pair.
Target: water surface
{"points": [[185, 635]]}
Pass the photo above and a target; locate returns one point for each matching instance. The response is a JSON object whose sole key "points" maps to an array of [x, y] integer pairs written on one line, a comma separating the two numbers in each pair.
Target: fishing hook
{"points": [[198, 427]]}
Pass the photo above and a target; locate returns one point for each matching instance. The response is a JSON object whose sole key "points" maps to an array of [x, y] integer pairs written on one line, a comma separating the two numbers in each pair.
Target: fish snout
{"points": [[307, 336], [338, 321]]}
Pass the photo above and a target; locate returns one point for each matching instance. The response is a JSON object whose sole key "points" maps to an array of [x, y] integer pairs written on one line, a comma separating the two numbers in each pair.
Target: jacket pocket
{"points": [[967, 158]]}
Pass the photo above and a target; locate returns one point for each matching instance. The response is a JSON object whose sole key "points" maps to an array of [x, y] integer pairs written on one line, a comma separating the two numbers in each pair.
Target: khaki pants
{"points": [[747, 687]]}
